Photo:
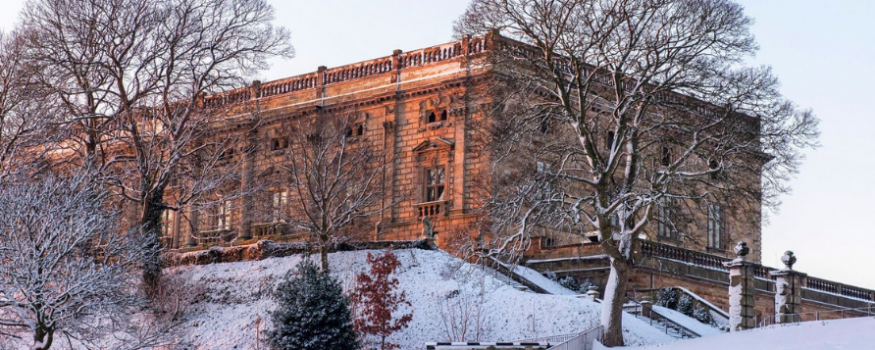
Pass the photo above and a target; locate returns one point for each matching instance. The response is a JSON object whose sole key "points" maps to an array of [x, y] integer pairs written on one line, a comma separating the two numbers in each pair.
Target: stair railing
{"points": [[582, 341]]}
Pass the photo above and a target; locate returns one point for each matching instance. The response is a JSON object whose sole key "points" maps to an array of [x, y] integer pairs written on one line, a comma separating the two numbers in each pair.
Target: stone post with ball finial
{"points": [[742, 290]]}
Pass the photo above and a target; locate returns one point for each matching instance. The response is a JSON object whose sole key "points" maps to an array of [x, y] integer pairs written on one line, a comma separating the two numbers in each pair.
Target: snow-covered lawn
{"points": [[848, 334], [238, 294]]}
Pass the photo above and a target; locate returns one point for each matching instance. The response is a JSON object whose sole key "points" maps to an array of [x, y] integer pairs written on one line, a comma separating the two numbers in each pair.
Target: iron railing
{"points": [[582, 341], [553, 339], [668, 324]]}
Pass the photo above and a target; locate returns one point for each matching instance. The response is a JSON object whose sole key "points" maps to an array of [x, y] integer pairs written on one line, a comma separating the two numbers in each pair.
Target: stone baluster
{"points": [[592, 293]]}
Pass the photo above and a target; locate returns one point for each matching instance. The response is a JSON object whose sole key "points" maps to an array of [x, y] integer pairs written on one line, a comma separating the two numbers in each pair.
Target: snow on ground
{"points": [[847, 334], [687, 322], [237, 295]]}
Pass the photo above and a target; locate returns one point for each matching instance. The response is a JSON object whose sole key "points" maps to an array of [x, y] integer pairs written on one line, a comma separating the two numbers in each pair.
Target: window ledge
{"points": [[717, 250]]}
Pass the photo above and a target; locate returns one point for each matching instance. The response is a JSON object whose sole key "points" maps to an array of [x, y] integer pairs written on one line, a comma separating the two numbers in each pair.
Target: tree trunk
{"points": [[612, 305], [323, 254], [43, 338], [151, 229]]}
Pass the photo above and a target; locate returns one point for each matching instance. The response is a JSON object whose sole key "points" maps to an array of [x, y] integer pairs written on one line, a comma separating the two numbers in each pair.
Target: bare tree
{"points": [[133, 75], [64, 268], [625, 105], [462, 314], [24, 106], [334, 174]]}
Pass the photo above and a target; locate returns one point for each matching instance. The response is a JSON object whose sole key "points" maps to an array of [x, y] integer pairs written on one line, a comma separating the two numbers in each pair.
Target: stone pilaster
{"points": [[244, 230], [741, 294]]}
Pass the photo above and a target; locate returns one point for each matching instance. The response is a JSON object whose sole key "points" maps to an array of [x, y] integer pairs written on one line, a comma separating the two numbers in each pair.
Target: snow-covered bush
{"points": [[584, 286], [312, 313], [668, 298], [551, 275], [685, 305], [702, 315], [570, 283]]}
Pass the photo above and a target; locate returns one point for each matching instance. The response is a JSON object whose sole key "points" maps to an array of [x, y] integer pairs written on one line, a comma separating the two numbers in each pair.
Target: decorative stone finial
{"points": [[788, 259], [741, 249]]}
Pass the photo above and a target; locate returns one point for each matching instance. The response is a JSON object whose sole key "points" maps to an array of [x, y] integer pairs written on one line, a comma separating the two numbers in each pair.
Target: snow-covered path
{"points": [[238, 293], [848, 334]]}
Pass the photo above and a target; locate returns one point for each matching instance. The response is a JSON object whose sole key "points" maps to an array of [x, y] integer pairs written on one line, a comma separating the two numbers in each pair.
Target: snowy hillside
{"points": [[848, 334], [236, 295]]}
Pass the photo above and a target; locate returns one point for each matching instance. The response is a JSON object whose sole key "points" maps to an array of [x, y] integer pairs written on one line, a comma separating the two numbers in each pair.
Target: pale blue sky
{"points": [[820, 49]]}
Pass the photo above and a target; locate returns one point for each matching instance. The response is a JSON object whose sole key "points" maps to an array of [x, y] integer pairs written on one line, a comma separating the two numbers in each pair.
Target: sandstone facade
{"points": [[423, 109]]}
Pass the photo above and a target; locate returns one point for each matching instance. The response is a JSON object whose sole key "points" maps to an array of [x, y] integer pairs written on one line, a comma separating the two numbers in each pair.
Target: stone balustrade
{"points": [[433, 209], [465, 47], [663, 251]]}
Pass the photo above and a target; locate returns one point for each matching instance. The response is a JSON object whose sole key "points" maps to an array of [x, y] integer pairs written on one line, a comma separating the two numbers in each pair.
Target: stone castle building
{"points": [[421, 110]]}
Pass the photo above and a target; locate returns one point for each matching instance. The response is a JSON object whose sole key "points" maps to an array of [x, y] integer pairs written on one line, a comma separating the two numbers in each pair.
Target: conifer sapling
{"points": [[312, 312]]}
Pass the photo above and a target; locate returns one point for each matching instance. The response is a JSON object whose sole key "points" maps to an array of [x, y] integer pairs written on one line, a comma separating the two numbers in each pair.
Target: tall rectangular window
{"points": [[219, 217], [666, 219], [715, 226], [544, 171], [225, 216], [435, 184], [168, 219], [279, 206]]}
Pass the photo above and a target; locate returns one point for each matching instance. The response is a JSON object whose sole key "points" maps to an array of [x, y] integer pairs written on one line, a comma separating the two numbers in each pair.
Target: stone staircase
{"points": [[672, 322], [501, 276], [670, 328]]}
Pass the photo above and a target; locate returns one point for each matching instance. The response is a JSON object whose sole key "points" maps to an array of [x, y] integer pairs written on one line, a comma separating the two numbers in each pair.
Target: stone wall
{"points": [[264, 249]]}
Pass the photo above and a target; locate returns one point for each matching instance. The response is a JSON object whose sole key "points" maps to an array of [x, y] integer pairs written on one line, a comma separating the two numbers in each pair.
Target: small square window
{"points": [[227, 154], [718, 174], [436, 116], [666, 155], [547, 242], [355, 130], [278, 144]]}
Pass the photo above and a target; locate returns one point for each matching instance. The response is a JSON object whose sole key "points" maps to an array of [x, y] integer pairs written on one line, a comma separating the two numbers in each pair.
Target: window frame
{"points": [[665, 157], [168, 223], [436, 116], [279, 206], [428, 184], [219, 217], [667, 214], [716, 227]]}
